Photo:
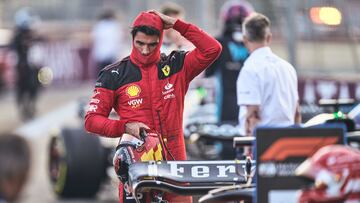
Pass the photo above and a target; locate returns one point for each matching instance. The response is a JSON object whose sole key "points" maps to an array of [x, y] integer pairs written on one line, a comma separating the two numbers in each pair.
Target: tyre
{"points": [[76, 164]]}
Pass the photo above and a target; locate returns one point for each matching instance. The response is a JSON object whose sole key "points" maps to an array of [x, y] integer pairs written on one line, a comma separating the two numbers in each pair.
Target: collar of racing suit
{"points": [[151, 20]]}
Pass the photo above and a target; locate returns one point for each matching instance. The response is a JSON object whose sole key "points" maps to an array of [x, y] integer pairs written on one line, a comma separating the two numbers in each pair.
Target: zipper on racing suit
{"points": [[161, 134], [151, 104]]}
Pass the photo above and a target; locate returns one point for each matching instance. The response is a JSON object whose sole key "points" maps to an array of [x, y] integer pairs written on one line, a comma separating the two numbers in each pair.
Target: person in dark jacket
{"points": [[227, 67], [27, 84]]}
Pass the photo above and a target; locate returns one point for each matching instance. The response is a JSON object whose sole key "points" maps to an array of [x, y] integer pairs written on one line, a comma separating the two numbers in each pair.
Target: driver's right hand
{"points": [[133, 128]]}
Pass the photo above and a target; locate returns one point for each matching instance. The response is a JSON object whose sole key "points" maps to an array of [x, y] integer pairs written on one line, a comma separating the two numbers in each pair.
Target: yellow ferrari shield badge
{"points": [[166, 70]]}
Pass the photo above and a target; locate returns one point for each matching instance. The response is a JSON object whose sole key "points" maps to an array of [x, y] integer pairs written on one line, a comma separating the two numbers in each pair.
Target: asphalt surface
{"points": [[57, 107]]}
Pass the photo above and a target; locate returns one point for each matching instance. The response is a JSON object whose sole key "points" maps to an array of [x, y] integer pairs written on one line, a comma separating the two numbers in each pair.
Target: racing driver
{"points": [[147, 89]]}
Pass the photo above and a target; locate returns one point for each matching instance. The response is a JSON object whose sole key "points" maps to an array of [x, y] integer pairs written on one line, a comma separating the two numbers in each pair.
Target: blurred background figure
{"points": [[27, 84], [227, 67], [2, 74], [172, 39], [107, 39], [14, 166]]}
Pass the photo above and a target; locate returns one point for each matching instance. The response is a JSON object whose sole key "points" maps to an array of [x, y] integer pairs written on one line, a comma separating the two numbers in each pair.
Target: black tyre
{"points": [[76, 163]]}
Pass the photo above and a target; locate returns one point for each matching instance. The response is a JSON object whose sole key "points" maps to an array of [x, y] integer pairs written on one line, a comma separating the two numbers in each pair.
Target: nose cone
{"points": [[304, 169]]}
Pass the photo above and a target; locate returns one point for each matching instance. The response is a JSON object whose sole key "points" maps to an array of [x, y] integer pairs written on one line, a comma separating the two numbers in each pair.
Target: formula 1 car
{"points": [[339, 111], [218, 181], [79, 171], [142, 173]]}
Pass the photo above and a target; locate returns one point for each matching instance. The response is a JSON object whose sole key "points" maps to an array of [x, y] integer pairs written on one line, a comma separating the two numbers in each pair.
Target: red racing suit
{"points": [[151, 93]]}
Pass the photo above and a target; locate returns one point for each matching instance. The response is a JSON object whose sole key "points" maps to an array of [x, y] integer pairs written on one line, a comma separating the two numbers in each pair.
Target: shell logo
{"points": [[133, 91]]}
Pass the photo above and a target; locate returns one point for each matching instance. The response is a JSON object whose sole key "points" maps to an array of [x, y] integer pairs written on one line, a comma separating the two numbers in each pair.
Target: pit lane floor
{"points": [[57, 107]]}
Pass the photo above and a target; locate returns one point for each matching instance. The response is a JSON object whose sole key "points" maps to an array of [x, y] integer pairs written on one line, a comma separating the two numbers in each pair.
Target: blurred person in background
{"points": [[27, 84], [147, 88], [107, 40], [227, 67], [172, 39], [2, 72], [267, 87], [14, 166]]}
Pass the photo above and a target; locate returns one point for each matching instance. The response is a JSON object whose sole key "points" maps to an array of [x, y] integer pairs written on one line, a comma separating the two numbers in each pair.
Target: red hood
{"points": [[151, 20]]}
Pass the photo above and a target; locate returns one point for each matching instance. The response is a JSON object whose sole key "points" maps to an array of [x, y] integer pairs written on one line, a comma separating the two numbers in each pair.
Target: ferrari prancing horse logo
{"points": [[166, 70]]}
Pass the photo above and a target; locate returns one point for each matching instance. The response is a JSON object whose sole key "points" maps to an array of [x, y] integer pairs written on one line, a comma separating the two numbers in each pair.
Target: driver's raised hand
{"points": [[133, 128], [168, 22]]}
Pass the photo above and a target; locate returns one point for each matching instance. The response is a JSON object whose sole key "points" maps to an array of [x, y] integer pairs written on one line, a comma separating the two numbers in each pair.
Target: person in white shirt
{"points": [[172, 39], [267, 86], [107, 40]]}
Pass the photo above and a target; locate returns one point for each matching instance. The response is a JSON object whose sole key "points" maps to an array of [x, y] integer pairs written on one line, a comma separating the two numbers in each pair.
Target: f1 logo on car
{"points": [[295, 146]]}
